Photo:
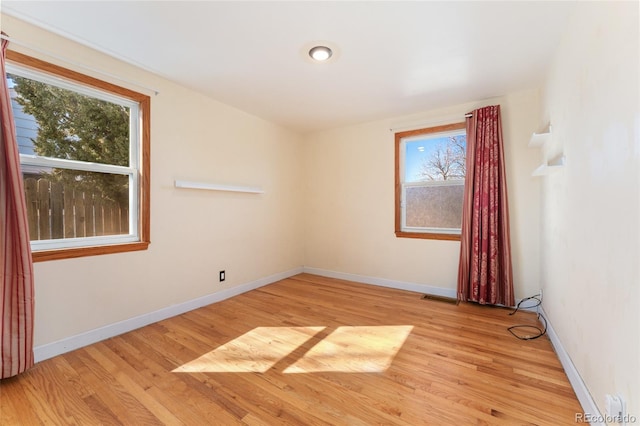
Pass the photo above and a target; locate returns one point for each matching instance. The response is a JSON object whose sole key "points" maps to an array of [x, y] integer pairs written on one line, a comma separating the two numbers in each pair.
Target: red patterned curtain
{"points": [[16, 275], [484, 272]]}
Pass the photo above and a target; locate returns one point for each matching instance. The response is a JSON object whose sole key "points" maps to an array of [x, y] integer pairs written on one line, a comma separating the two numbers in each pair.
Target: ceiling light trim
{"points": [[320, 53], [313, 45]]}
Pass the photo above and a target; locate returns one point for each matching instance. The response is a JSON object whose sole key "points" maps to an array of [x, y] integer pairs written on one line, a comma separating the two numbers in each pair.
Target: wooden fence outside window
{"points": [[56, 212]]}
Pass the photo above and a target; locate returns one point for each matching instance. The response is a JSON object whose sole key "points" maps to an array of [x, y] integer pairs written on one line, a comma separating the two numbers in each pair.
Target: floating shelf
{"points": [[551, 166], [217, 187], [539, 139]]}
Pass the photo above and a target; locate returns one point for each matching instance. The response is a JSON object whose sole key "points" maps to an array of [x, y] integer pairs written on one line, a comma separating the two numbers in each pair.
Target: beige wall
{"points": [[349, 205], [194, 234], [590, 223]]}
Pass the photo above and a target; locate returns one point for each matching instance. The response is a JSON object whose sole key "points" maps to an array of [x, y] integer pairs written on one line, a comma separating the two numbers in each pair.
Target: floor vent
{"points": [[444, 299]]}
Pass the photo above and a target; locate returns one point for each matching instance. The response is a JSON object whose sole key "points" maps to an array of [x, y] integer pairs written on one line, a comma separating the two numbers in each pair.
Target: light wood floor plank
{"points": [[347, 354]]}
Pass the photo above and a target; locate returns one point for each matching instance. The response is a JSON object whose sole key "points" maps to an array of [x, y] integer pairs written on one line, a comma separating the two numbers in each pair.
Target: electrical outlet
{"points": [[222, 276], [615, 408], [540, 295]]}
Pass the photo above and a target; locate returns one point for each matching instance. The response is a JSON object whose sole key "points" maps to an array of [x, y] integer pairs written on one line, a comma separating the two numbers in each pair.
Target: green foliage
{"points": [[78, 127]]}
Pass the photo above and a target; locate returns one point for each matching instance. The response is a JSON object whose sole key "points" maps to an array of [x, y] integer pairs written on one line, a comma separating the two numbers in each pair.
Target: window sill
{"points": [[428, 236], [70, 253]]}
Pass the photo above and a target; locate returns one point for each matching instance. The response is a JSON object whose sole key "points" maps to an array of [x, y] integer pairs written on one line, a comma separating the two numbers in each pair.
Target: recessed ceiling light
{"points": [[320, 53]]}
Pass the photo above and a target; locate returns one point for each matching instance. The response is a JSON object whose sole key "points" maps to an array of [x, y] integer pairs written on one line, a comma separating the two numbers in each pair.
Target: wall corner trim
{"points": [[69, 344], [579, 387]]}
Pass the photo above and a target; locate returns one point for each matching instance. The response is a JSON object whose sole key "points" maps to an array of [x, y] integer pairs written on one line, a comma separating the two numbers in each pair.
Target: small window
{"points": [[430, 173], [84, 154]]}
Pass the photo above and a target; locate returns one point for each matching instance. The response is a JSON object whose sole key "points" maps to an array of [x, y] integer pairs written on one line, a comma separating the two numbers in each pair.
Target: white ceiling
{"points": [[392, 58]]}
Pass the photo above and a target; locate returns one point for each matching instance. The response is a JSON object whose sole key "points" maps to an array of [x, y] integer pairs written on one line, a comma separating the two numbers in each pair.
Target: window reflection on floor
{"points": [[347, 349], [255, 351], [362, 349]]}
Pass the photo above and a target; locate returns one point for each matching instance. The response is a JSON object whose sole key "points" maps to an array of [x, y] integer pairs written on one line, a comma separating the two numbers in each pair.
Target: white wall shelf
{"points": [[550, 167], [539, 139], [217, 187]]}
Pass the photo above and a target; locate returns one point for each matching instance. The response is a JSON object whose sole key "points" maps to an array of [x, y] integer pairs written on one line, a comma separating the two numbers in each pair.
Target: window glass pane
{"points": [[60, 123], [434, 206], [435, 158], [73, 204]]}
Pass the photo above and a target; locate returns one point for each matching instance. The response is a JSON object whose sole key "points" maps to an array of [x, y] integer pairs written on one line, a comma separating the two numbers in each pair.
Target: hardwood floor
{"points": [[307, 350]]}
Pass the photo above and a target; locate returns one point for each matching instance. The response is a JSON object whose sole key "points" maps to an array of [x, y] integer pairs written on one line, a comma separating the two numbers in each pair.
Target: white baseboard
{"points": [[68, 344], [582, 392], [401, 285]]}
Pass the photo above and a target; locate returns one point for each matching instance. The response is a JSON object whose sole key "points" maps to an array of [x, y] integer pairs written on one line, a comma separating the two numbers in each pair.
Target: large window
{"points": [[430, 172], [84, 153]]}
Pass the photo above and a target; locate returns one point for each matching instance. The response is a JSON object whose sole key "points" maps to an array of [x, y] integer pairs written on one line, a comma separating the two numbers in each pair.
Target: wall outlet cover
{"points": [[614, 406]]}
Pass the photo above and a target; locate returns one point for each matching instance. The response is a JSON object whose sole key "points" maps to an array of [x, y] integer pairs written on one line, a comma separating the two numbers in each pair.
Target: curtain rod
{"points": [[443, 120], [77, 64]]}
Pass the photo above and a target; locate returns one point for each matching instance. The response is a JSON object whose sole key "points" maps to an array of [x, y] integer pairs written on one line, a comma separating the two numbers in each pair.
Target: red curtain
{"points": [[484, 273], [16, 275]]}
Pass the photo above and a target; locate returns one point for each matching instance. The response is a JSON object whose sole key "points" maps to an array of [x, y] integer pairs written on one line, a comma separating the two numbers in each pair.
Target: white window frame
{"points": [[131, 171]]}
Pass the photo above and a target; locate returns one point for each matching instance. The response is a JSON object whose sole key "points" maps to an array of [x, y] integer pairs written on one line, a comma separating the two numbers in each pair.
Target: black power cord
{"points": [[538, 332]]}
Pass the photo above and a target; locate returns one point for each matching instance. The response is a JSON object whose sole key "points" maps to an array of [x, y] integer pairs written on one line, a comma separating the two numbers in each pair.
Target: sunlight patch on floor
{"points": [[255, 351], [362, 349]]}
